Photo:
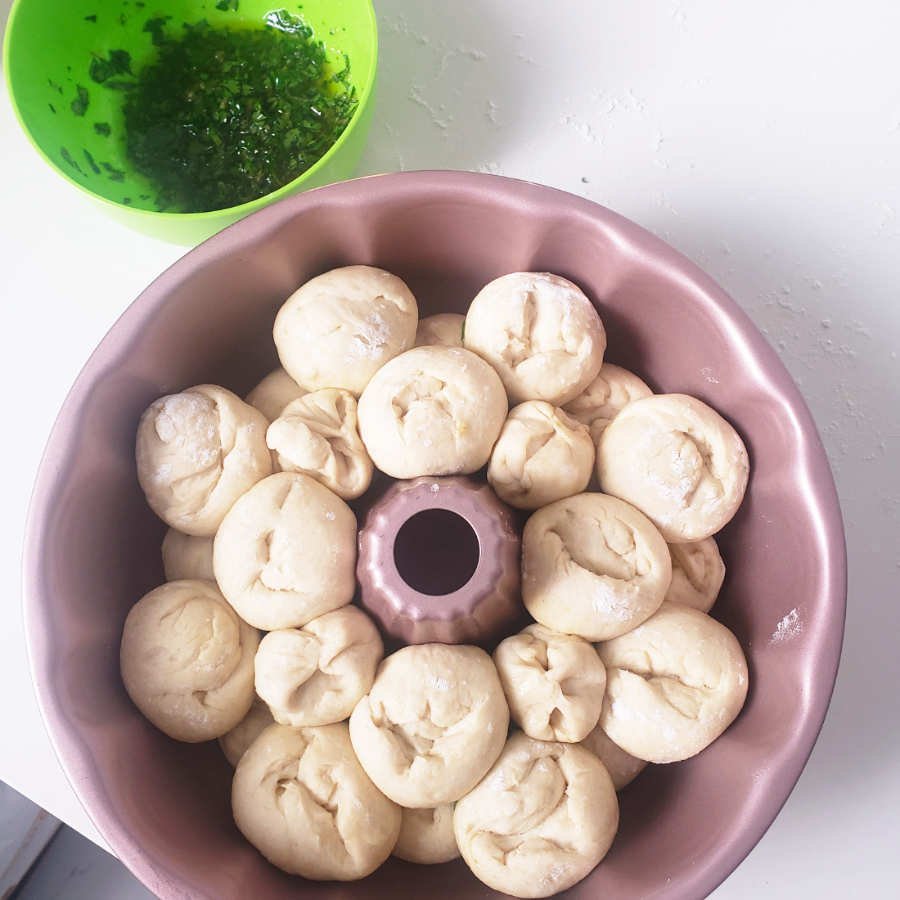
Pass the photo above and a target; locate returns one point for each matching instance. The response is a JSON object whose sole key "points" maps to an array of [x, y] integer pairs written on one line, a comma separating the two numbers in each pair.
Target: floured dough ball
{"points": [[318, 435], [302, 799], [432, 725], [697, 574], [605, 397], [317, 674], [553, 682], [593, 566], [541, 455], [426, 835], [674, 684], [234, 744], [678, 461], [541, 819], [187, 660], [340, 328], [432, 411], [197, 452], [187, 556], [274, 393], [286, 552], [540, 332], [623, 768], [442, 330]]}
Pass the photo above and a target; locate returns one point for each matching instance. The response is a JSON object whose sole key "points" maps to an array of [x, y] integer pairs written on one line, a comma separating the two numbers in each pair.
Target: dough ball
{"points": [[697, 574], [286, 552], [187, 660], [623, 768], [340, 328], [302, 799], [593, 566], [678, 461], [317, 674], [274, 393], [674, 684], [432, 725], [426, 835], [318, 435], [234, 744], [442, 330], [432, 411], [187, 556], [544, 816], [540, 332], [553, 682], [605, 397], [541, 455], [197, 452]]}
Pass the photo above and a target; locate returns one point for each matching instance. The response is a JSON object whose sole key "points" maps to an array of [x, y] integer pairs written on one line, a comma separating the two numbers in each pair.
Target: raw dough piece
{"points": [[187, 556], [197, 452], [302, 799], [318, 435], [442, 330], [426, 835], [540, 332], [593, 566], [541, 455], [432, 725], [234, 744], [541, 819], [678, 461], [340, 328], [697, 574], [432, 411], [553, 682], [286, 552], [274, 393], [623, 768], [674, 684], [317, 674], [187, 660], [605, 397]]}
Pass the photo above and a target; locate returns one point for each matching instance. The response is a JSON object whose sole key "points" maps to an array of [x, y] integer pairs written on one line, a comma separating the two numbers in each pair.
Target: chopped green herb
{"points": [[225, 5], [140, 4], [102, 128], [113, 173], [56, 87], [92, 162], [81, 101], [224, 116], [92, 18], [117, 63], [126, 201], [64, 153], [52, 108], [156, 28], [144, 197], [284, 21]]}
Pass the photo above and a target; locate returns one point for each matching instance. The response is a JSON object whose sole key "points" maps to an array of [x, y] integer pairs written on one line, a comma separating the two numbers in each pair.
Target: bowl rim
{"points": [[814, 470], [365, 97]]}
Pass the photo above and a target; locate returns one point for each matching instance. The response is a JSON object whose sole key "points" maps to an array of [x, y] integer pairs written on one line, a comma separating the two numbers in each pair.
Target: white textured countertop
{"points": [[762, 140]]}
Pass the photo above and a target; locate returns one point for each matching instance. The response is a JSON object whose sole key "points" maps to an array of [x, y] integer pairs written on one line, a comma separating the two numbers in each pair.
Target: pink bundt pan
{"points": [[92, 544]]}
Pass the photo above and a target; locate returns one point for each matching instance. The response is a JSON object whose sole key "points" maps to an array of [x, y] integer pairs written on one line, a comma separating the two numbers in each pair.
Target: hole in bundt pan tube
{"points": [[436, 552]]}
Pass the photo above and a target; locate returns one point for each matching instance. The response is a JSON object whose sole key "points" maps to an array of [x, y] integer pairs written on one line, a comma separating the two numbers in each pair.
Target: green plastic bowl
{"points": [[48, 48]]}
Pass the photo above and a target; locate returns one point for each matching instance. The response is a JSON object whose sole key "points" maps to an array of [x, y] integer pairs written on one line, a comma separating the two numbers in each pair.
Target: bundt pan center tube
{"points": [[439, 561]]}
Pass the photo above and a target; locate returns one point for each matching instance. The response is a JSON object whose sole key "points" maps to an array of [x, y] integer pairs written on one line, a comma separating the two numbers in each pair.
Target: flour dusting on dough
{"points": [[788, 628]]}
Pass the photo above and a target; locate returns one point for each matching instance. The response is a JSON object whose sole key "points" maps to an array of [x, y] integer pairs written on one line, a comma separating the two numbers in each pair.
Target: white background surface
{"points": [[761, 139]]}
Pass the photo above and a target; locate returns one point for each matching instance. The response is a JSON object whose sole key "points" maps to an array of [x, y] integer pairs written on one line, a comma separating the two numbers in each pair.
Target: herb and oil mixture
{"points": [[226, 115]]}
